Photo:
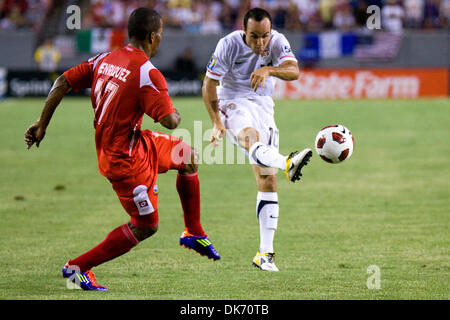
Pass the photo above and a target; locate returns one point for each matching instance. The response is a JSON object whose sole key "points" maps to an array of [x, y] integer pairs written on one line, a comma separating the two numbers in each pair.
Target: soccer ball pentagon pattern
{"points": [[334, 143]]}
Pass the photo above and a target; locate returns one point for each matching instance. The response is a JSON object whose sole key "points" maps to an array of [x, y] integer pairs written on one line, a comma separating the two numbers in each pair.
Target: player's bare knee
{"points": [[195, 156], [247, 137], [192, 165], [143, 233]]}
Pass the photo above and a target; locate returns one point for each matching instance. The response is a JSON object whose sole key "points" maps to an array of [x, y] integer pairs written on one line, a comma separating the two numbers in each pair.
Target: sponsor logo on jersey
{"points": [[155, 190]]}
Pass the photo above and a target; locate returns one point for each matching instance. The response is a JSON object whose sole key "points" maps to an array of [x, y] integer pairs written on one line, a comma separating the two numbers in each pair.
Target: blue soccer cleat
{"points": [[200, 244], [84, 280]]}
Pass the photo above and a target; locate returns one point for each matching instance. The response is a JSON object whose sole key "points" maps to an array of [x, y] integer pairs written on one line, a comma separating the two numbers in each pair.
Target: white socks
{"points": [[267, 213], [267, 202], [264, 155]]}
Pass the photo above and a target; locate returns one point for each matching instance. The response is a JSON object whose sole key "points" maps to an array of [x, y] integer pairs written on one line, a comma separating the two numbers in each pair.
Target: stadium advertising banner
{"points": [[38, 84], [33, 84], [365, 84]]}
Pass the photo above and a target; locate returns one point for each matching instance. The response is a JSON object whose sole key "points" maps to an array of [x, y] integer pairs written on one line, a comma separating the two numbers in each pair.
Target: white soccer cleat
{"points": [[295, 162], [265, 261]]}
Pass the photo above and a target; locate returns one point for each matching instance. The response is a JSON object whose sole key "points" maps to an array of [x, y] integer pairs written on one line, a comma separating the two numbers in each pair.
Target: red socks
{"points": [[119, 241], [188, 187]]}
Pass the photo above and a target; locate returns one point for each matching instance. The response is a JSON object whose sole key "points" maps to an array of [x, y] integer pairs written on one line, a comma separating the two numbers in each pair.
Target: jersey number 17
{"points": [[103, 93]]}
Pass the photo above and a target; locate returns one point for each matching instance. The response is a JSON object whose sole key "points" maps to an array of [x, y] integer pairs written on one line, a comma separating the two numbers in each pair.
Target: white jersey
{"points": [[233, 62]]}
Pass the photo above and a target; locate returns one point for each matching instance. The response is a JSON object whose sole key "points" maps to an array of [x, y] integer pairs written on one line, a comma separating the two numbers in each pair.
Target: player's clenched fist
{"points": [[259, 77], [217, 133], [34, 134]]}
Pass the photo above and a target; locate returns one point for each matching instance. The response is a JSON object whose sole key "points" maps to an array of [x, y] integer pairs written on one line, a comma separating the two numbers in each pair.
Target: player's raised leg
{"points": [[267, 156]]}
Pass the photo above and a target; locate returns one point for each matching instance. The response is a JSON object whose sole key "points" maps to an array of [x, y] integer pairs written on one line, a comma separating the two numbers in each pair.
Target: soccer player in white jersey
{"points": [[237, 92]]}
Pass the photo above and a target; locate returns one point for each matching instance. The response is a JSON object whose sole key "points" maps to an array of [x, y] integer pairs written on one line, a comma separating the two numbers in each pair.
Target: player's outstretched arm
{"points": [[288, 70], [36, 132], [209, 93]]}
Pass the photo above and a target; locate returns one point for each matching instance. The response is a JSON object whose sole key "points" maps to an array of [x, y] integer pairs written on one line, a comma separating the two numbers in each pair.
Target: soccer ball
{"points": [[334, 143]]}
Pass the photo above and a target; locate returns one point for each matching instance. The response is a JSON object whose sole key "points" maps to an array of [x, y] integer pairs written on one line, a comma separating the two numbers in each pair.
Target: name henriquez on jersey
{"points": [[233, 62]]}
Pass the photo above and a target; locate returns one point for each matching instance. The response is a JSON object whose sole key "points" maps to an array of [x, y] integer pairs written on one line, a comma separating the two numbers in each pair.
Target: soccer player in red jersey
{"points": [[125, 86]]}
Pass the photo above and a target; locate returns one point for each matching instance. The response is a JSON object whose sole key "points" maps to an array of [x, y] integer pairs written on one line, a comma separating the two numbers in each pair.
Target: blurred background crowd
{"points": [[372, 45], [320, 30], [217, 16]]}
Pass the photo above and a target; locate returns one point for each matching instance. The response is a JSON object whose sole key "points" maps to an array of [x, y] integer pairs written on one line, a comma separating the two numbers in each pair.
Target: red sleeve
{"points": [[154, 97], [80, 77]]}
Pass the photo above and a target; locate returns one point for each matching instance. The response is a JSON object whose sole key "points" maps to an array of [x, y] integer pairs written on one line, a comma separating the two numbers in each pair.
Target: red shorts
{"points": [[138, 192]]}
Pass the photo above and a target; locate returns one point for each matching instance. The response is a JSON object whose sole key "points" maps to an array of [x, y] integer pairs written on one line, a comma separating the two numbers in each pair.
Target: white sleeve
{"points": [[219, 63], [281, 50]]}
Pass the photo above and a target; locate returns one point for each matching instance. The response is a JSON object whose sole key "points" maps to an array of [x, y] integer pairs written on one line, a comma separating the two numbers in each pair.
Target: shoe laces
{"points": [[91, 277]]}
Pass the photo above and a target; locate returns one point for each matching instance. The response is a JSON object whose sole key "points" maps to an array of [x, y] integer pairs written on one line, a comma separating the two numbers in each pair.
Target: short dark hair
{"points": [[258, 15], [142, 22]]}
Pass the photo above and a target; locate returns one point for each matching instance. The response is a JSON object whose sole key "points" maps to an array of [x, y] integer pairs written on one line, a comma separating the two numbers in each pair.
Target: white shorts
{"points": [[255, 112]]}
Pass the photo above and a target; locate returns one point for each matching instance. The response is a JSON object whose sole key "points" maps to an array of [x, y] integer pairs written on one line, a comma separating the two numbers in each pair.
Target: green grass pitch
{"points": [[388, 205]]}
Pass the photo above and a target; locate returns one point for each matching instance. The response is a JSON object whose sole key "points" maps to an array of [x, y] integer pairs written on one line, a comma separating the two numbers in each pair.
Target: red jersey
{"points": [[125, 85]]}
